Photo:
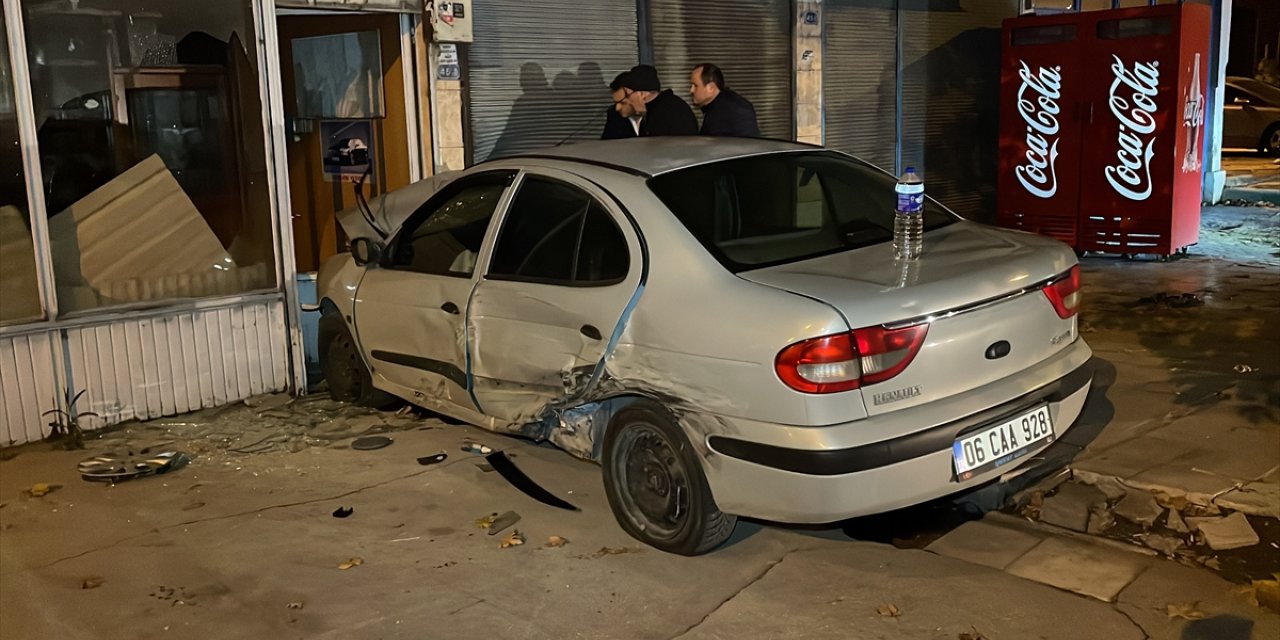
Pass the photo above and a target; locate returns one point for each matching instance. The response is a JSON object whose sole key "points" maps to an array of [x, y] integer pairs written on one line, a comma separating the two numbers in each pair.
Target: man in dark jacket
{"points": [[662, 113], [616, 123], [724, 112]]}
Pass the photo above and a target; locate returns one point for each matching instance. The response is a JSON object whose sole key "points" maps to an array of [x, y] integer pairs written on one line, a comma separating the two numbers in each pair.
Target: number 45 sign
{"points": [[447, 63]]}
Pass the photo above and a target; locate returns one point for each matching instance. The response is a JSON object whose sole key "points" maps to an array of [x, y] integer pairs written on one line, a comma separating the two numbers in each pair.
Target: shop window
{"points": [[152, 148], [19, 291]]}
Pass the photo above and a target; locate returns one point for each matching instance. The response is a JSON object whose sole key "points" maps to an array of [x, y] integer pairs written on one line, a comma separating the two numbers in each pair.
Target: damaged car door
{"points": [[410, 313], [565, 266]]}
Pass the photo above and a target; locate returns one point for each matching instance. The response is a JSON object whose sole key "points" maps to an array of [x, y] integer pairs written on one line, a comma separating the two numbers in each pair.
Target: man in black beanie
{"points": [[662, 113]]}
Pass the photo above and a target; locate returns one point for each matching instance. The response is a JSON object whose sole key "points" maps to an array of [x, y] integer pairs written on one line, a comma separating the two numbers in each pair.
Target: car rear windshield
{"points": [[774, 209]]}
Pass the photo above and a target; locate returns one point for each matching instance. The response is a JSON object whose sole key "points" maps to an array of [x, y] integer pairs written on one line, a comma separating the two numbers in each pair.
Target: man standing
{"points": [[724, 112], [620, 121], [662, 113]]}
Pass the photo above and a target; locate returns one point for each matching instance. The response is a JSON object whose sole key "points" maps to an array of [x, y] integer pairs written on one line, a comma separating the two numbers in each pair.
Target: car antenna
{"points": [[363, 204]]}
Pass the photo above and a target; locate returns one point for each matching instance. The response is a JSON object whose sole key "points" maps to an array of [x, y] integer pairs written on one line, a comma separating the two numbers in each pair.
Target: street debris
{"points": [[1139, 507], [1184, 611], [1100, 519], [1167, 545], [1070, 506], [268, 401], [173, 595], [1243, 368], [1173, 300], [513, 539], [1175, 522], [342, 512], [407, 539], [556, 542], [889, 610], [503, 465], [92, 582], [503, 521], [433, 458], [116, 468], [1231, 532], [1263, 593], [294, 605], [484, 466], [370, 443], [41, 489], [476, 447], [487, 521], [609, 551], [353, 562], [974, 635]]}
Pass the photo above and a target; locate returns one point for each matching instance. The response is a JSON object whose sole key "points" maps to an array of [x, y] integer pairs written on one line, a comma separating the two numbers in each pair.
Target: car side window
{"points": [[555, 233], [446, 239]]}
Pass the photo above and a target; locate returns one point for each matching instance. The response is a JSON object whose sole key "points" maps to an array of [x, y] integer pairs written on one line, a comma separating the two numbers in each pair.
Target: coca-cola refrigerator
{"points": [[1101, 122]]}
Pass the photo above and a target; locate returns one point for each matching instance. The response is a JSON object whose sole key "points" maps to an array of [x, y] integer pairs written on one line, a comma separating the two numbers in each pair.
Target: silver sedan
{"points": [[720, 323]]}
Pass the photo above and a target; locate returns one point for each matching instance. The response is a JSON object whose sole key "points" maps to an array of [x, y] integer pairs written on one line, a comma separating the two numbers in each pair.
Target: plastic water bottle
{"points": [[908, 221]]}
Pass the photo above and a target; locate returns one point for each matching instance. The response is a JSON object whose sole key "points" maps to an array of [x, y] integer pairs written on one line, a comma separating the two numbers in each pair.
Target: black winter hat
{"points": [[643, 77]]}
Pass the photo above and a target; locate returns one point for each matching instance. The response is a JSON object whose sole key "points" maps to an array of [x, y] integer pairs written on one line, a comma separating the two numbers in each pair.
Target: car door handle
{"points": [[591, 332], [449, 307]]}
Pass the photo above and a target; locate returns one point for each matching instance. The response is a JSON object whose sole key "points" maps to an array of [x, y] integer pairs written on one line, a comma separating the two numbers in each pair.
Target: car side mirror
{"points": [[365, 251]]}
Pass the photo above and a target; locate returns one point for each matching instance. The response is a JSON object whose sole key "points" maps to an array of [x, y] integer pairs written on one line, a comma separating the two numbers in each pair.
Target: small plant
{"points": [[66, 425]]}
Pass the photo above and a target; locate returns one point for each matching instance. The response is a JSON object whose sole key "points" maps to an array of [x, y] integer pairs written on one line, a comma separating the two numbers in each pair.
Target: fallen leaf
{"points": [[889, 610], [486, 522], [1263, 593], [1187, 611], [294, 605], [354, 562], [557, 541], [513, 539], [92, 582], [40, 489]]}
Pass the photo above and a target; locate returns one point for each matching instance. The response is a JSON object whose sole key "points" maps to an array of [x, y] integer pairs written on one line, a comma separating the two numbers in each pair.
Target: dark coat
{"points": [[616, 126], [730, 115], [668, 115]]}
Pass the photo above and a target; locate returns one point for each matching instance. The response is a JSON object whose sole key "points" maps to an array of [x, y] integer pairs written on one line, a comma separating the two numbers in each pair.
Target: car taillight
{"points": [[845, 361], [1064, 293]]}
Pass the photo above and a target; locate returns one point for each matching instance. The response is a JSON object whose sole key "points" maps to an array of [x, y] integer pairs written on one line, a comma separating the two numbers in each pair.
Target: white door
{"points": [[410, 311], [565, 265]]}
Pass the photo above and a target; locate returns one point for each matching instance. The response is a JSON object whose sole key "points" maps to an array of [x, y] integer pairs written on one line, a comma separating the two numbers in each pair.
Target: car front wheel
{"points": [[1271, 140], [656, 487], [349, 380]]}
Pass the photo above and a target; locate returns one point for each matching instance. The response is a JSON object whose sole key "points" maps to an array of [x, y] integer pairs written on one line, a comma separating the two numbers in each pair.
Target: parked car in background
{"points": [[720, 323], [1251, 115]]}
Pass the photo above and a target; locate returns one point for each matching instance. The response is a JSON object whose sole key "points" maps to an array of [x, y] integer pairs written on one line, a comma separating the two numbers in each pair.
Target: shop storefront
{"points": [[170, 173]]}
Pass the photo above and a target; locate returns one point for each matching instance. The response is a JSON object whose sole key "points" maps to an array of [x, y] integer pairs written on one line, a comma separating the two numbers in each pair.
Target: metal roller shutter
{"points": [[950, 100], [859, 79], [539, 70], [750, 41]]}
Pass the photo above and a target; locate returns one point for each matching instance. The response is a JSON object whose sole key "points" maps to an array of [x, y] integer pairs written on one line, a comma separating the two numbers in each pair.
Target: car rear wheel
{"points": [[1271, 140], [655, 484], [349, 380]]}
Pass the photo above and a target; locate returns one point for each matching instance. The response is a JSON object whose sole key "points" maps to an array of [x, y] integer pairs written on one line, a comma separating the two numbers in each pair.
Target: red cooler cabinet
{"points": [[1100, 127]]}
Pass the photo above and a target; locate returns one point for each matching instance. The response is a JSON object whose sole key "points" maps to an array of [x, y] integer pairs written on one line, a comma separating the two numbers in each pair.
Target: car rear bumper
{"points": [[752, 473]]}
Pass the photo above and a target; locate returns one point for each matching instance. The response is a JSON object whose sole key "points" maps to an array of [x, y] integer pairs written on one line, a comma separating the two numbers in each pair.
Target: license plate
{"points": [[1001, 444]]}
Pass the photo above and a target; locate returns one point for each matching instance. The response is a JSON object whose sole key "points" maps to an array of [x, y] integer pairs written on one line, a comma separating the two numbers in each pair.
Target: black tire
{"points": [[348, 377], [656, 487], [1270, 143]]}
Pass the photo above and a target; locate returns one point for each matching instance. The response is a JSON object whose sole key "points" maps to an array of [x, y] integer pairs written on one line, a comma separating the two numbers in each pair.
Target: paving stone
{"points": [[1256, 498], [1167, 545], [1175, 522], [984, 543], [1080, 566], [1110, 486], [1069, 507], [1231, 532], [1139, 507]]}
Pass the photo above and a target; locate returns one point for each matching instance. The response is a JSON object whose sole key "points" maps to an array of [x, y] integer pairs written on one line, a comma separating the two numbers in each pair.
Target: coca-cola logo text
{"points": [[1040, 112], [1131, 177]]}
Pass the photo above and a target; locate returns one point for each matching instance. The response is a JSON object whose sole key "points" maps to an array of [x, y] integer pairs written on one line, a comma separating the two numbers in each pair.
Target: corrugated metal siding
{"points": [[539, 70], [27, 387], [950, 100], [859, 79], [165, 365], [749, 41]]}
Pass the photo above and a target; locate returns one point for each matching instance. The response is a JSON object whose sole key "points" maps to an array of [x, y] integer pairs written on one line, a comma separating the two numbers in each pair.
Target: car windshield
{"points": [[779, 208], [1268, 93]]}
